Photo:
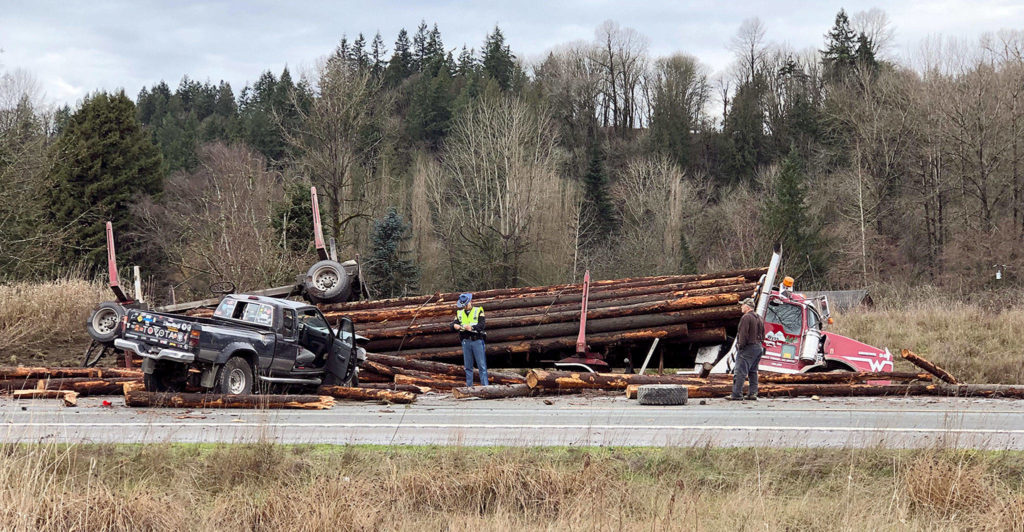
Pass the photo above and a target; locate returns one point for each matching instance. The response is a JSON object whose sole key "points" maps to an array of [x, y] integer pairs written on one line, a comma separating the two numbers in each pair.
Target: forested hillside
{"points": [[451, 166]]}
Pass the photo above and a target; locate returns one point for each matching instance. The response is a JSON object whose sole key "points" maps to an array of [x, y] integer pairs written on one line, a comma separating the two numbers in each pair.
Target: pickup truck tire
{"points": [[104, 321], [327, 282], [662, 394], [235, 377]]}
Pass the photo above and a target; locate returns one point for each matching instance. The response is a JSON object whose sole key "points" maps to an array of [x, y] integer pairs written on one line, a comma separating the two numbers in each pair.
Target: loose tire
{"points": [[235, 377], [662, 394], [104, 321], [327, 282]]}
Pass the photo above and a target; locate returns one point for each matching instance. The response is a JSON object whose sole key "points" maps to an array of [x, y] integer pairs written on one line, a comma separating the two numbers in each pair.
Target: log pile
{"points": [[539, 321]]}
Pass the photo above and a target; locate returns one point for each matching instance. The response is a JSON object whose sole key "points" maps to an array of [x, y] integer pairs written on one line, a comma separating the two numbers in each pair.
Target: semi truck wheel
{"points": [[104, 321], [327, 282], [235, 377], [662, 394]]}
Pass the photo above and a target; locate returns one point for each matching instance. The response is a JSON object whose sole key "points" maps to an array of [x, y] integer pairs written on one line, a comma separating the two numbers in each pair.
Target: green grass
{"points": [[297, 487]]}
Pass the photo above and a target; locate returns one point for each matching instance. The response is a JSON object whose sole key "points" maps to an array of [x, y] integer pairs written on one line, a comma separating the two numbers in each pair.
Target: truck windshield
{"points": [[788, 315]]}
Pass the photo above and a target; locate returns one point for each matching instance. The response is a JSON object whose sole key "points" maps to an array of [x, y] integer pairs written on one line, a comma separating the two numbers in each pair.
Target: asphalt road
{"points": [[569, 420]]}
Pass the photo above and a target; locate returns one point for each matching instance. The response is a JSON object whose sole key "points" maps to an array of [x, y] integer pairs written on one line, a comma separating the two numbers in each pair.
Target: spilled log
{"points": [[494, 391], [396, 387], [202, 400], [25, 372], [437, 384], [440, 368], [928, 366], [68, 397], [365, 394], [88, 386]]}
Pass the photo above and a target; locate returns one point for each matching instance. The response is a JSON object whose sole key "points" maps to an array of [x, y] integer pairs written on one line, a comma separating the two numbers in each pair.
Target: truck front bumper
{"points": [[162, 354]]}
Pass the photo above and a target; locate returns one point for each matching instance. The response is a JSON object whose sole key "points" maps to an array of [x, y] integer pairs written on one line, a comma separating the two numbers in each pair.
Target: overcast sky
{"points": [[75, 47]]}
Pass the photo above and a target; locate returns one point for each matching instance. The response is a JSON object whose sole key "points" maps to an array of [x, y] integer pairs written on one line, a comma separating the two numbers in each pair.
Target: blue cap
{"points": [[463, 299]]}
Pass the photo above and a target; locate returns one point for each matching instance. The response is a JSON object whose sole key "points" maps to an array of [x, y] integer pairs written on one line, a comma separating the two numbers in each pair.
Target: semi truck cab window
{"points": [[788, 315]]}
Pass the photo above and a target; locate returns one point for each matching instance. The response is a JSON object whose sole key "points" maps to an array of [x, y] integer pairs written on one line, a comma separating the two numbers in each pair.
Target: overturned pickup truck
{"points": [[250, 344]]}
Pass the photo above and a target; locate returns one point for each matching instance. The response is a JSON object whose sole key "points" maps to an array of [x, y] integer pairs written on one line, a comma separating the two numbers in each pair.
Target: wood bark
{"points": [[88, 386], [69, 397], [377, 367], [25, 372], [928, 366], [437, 384], [832, 377], [441, 368], [982, 390], [494, 391], [571, 380], [200, 400], [365, 394], [396, 387], [132, 386]]}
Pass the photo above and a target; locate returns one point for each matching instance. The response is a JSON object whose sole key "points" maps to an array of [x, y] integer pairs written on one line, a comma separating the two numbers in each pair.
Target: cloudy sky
{"points": [[73, 47]]}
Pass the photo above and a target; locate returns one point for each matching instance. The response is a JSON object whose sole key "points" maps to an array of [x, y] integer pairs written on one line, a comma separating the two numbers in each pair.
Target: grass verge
{"points": [[272, 487]]}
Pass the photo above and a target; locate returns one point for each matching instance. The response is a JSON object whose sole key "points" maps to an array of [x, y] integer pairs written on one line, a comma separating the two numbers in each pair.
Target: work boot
{"points": [[750, 398], [733, 398]]}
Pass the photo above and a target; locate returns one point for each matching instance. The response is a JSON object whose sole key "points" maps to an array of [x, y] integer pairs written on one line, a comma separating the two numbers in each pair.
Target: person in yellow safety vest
{"points": [[469, 321]]}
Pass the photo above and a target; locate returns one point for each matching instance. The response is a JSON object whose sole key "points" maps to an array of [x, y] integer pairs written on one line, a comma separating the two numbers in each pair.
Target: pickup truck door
{"points": [[315, 335], [287, 346]]}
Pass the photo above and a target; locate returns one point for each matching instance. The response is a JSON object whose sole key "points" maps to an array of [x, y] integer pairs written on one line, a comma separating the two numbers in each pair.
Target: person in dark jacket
{"points": [[469, 321], [749, 348]]}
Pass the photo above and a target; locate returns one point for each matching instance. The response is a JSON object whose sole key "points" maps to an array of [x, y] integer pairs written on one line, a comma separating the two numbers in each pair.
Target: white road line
{"points": [[754, 428]]}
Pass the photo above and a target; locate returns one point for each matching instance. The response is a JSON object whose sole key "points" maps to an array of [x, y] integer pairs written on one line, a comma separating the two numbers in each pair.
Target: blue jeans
{"points": [[747, 360], [473, 350]]}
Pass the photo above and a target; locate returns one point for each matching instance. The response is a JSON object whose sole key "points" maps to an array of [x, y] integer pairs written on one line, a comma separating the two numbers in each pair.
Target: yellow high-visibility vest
{"points": [[470, 319]]}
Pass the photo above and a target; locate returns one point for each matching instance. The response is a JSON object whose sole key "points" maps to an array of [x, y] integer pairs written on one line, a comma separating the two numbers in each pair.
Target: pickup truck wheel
{"points": [[104, 321], [327, 282], [235, 377]]}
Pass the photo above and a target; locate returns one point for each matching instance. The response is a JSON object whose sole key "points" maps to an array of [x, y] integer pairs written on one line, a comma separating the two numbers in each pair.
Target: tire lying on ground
{"points": [[327, 282], [104, 321], [661, 394]]}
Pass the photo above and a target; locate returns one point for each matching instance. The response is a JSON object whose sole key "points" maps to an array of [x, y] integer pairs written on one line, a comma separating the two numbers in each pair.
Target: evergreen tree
{"points": [[865, 54], [839, 55], [430, 109], [293, 219], [359, 56], [103, 160], [391, 274], [498, 62], [466, 64], [419, 47], [786, 220], [748, 145], [598, 201], [377, 53], [401, 64]]}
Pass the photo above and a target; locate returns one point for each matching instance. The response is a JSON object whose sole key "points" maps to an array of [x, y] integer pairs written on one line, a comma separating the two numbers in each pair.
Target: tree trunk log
{"points": [[832, 377], [86, 386], [378, 368], [23, 372], [396, 387], [201, 400], [982, 390], [928, 366], [437, 384], [441, 368], [571, 380], [69, 397], [494, 391], [364, 394]]}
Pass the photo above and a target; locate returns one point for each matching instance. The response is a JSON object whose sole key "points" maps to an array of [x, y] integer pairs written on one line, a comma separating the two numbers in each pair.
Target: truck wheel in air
{"points": [[661, 394], [104, 321], [327, 282], [235, 377]]}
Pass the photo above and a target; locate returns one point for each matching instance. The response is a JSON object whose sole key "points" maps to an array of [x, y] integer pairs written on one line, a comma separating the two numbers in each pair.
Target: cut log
{"points": [[982, 390], [371, 377], [631, 391], [441, 368], [200, 400], [571, 380], [86, 386], [396, 387], [132, 387], [7, 385], [376, 367], [928, 366], [831, 377], [69, 397], [494, 391], [364, 394], [437, 384], [822, 390], [24, 372]]}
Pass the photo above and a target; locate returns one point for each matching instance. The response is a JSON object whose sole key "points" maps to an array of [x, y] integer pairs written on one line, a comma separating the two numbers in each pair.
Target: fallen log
{"points": [[25, 372], [201, 400], [365, 394], [396, 387], [982, 390], [831, 377], [69, 397], [376, 367], [371, 377], [571, 380], [86, 386], [8, 385], [132, 387], [928, 366], [494, 391], [441, 368], [437, 384], [713, 391]]}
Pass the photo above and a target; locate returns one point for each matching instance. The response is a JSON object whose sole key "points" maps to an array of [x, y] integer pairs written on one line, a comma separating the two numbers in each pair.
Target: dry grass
{"points": [[976, 341], [267, 487], [45, 322]]}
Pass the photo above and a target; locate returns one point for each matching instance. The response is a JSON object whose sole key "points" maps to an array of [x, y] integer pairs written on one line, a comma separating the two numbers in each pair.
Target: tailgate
{"points": [[158, 329]]}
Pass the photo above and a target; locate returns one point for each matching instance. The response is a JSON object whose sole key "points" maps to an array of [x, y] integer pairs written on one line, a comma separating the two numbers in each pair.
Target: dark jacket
{"points": [[751, 330]]}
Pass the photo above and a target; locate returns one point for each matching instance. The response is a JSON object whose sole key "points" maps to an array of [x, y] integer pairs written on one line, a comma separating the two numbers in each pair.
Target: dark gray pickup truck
{"points": [[250, 344]]}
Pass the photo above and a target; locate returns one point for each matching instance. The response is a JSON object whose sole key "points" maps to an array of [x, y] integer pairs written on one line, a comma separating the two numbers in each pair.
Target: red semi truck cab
{"points": [[796, 341]]}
